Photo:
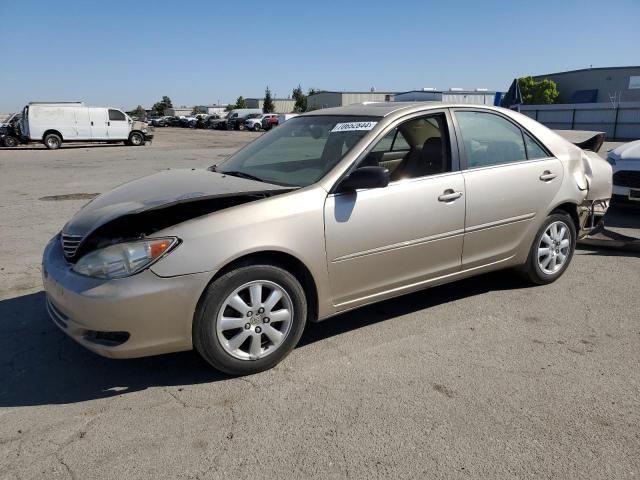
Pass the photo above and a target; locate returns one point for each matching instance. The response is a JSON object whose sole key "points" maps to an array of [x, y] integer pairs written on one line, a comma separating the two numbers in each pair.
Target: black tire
{"points": [[257, 127], [52, 141], [136, 139], [10, 141], [532, 270], [241, 126], [205, 336]]}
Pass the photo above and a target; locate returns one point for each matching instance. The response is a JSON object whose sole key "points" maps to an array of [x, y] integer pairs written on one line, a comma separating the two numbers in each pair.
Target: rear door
{"points": [[118, 125], [99, 121], [511, 180]]}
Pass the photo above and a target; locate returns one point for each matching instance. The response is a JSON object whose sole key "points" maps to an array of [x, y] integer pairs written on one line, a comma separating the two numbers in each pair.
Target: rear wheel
{"points": [[256, 127], [552, 249], [240, 126], [52, 141], [250, 319], [10, 141], [136, 139]]}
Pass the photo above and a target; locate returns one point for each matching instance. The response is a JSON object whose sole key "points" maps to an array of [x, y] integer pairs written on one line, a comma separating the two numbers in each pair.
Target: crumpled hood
{"points": [[160, 190]]}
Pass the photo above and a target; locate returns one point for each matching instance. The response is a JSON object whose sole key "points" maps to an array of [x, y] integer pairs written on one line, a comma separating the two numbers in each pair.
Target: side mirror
{"points": [[366, 177]]}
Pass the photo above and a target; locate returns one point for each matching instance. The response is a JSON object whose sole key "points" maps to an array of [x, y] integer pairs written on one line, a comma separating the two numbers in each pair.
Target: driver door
{"points": [[387, 240]]}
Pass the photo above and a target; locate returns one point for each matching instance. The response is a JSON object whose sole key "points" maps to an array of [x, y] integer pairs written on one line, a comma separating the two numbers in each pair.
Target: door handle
{"points": [[449, 195], [92, 126], [547, 176], [108, 125]]}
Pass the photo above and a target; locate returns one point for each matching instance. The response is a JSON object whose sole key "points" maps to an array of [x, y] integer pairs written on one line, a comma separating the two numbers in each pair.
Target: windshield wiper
{"points": [[248, 176]]}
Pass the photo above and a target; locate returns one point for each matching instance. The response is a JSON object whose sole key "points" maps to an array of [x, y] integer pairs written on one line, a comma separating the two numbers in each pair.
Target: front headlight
{"points": [[123, 259]]}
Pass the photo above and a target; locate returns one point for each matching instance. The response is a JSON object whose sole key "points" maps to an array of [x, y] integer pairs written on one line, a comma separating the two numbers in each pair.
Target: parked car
{"points": [[625, 161], [173, 121], [332, 210], [202, 121], [158, 121], [254, 121], [217, 121], [55, 123], [10, 131], [237, 117], [269, 121]]}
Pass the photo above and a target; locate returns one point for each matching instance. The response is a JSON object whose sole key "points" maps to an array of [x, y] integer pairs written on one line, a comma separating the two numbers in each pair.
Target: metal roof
{"points": [[383, 109], [588, 70]]}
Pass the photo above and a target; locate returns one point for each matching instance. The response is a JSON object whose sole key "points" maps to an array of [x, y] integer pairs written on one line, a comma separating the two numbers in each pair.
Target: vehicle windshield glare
{"points": [[301, 151]]}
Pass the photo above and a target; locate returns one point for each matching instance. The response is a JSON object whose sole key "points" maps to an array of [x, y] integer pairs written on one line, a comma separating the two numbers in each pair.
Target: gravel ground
{"points": [[484, 378]]}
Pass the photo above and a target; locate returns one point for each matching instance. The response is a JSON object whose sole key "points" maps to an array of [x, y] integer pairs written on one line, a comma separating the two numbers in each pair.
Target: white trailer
{"points": [[54, 123]]}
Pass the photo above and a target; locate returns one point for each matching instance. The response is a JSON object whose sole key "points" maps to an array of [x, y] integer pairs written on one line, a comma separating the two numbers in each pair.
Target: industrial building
{"points": [[282, 105], [178, 111], [337, 99], [479, 96], [597, 85]]}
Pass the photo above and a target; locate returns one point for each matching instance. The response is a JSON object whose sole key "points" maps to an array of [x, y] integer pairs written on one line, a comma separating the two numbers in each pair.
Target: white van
{"points": [[54, 123]]}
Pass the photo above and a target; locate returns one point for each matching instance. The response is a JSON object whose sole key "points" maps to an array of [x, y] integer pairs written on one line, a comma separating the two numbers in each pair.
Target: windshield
{"points": [[299, 152]]}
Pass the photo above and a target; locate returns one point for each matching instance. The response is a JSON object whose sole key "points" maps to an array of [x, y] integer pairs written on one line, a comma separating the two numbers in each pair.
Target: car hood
{"points": [[161, 190]]}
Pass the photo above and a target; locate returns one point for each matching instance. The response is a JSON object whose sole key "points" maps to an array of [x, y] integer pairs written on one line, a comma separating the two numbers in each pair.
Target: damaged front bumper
{"points": [[136, 316]]}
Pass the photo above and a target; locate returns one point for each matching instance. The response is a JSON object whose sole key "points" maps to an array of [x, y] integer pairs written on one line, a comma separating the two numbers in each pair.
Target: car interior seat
{"points": [[427, 160]]}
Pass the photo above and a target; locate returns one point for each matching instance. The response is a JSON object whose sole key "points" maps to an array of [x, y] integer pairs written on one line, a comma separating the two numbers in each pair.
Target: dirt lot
{"points": [[485, 378]]}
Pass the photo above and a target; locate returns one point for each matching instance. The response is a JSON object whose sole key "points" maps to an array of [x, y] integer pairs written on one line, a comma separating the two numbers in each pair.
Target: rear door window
{"points": [[489, 139], [533, 149]]}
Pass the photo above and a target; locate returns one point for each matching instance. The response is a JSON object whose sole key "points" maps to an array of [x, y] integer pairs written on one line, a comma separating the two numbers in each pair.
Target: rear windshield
{"points": [[300, 151]]}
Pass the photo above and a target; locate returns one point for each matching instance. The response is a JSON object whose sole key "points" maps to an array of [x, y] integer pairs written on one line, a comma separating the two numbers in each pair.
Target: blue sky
{"points": [[125, 53]]}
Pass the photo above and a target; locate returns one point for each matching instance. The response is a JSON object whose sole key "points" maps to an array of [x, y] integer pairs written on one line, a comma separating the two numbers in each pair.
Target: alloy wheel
{"points": [[554, 247], [254, 320]]}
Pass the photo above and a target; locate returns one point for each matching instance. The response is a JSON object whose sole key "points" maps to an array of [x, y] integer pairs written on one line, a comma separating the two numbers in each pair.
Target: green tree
{"points": [[138, 112], [198, 109], [162, 105], [268, 106], [241, 102], [300, 98], [538, 93]]}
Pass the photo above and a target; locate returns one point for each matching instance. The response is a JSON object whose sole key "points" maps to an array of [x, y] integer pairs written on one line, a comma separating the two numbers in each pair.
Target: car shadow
{"points": [[625, 217], [39, 365], [65, 146]]}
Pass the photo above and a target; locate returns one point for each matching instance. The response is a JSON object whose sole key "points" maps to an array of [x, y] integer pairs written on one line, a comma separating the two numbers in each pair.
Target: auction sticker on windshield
{"points": [[353, 126]]}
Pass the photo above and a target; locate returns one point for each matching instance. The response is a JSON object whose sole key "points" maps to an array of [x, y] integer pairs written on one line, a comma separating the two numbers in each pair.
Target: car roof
{"points": [[383, 109]]}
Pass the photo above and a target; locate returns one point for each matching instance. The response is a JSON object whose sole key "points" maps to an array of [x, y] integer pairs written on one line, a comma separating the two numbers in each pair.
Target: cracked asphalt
{"points": [[484, 378]]}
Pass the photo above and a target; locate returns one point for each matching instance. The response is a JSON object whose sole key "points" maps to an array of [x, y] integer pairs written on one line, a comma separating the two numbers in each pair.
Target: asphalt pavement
{"points": [[485, 378]]}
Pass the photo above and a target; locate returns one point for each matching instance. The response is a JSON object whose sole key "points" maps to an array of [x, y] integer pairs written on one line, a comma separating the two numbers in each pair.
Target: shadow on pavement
{"points": [[39, 365], [64, 146], [621, 231]]}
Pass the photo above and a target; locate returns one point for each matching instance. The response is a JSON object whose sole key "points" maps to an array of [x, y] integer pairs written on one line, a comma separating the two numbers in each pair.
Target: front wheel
{"points": [[250, 319], [256, 127], [136, 139], [552, 249], [10, 141]]}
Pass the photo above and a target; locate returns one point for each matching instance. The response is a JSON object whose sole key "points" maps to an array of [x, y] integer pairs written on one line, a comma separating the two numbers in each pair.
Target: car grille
{"points": [[70, 244], [626, 178]]}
